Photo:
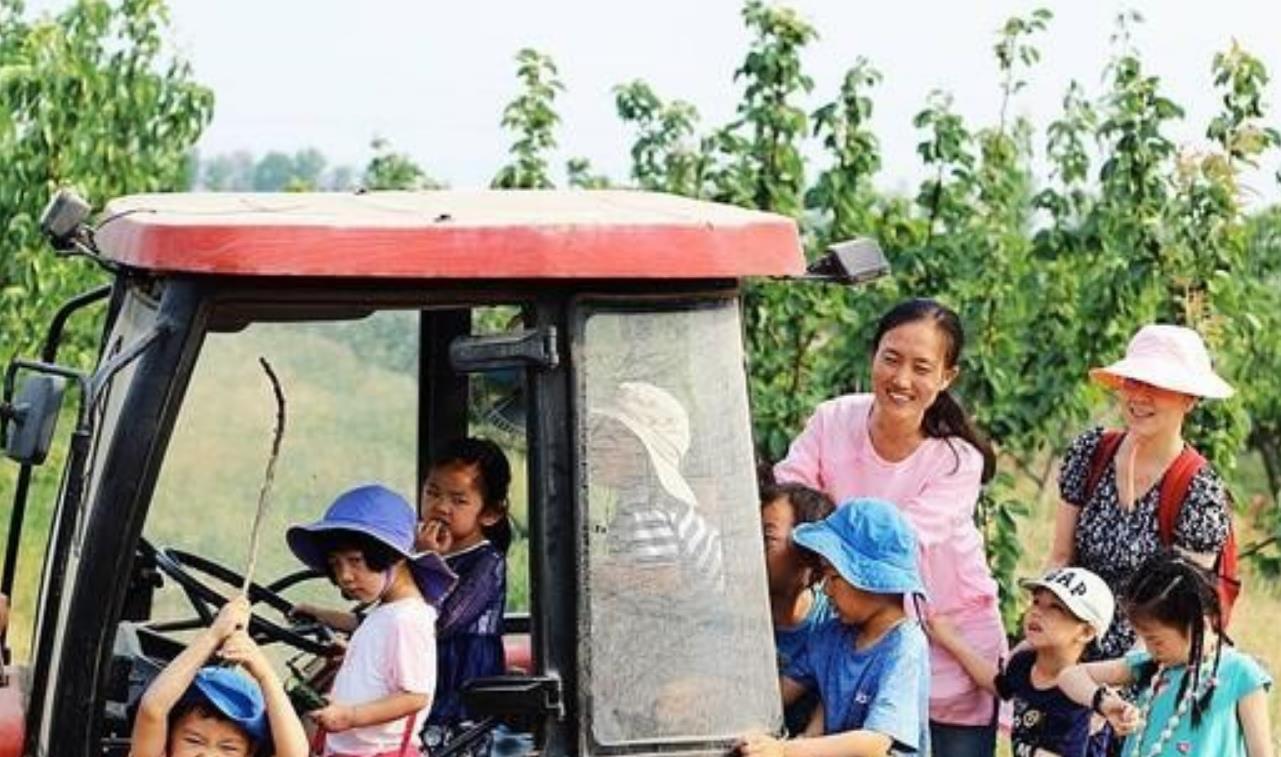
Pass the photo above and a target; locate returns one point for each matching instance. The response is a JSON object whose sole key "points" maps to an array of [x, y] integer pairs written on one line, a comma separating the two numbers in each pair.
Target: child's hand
{"points": [[1124, 717], [434, 536], [234, 615], [335, 717], [938, 626], [761, 745], [242, 650]]}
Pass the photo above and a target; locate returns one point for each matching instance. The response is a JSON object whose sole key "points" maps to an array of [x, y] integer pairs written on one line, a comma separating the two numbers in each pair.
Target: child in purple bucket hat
{"points": [[193, 710], [869, 663], [382, 692]]}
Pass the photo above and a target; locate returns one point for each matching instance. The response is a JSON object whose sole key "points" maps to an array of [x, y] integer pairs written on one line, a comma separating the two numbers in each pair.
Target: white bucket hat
{"points": [[660, 422], [1169, 357], [1084, 594]]}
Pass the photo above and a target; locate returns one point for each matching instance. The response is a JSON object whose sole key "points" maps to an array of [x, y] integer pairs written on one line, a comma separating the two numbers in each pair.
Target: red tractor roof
{"points": [[448, 234]]}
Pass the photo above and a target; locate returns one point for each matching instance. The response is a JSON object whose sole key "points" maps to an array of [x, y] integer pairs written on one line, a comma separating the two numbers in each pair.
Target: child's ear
{"points": [[489, 517]]}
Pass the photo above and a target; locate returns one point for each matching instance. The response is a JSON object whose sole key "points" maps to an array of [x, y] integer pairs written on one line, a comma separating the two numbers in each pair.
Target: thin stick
{"points": [[269, 476]]}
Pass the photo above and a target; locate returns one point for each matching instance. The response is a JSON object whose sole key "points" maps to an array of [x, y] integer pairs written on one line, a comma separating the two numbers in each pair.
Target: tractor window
{"points": [[675, 607], [497, 410], [351, 396]]}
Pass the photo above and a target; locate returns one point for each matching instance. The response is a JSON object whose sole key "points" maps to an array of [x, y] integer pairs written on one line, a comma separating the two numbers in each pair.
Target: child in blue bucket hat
{"points": [[194, 710], [869, 663], [383, 689]]}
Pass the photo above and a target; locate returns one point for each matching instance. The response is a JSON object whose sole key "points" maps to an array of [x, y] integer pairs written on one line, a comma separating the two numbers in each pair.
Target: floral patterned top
{"points": [[1113, 541]]}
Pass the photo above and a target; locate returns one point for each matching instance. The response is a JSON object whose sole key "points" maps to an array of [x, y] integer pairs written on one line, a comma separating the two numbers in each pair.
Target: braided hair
{"points": [[1171, 590]]}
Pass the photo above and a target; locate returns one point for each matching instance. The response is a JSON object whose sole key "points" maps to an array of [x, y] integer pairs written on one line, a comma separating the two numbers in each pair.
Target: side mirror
{"points": [[30, 420], [853, 262]]}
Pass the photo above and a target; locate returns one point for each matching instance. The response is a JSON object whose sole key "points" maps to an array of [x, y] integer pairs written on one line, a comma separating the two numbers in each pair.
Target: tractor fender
{"points": [[13, 712]]}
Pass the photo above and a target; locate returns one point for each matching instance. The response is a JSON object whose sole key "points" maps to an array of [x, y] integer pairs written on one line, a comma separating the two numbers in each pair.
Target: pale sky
{"points": [[433, 77]]}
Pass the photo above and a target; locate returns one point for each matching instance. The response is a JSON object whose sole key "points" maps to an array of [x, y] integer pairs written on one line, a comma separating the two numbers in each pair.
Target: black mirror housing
{"points": [[29, 422], [852, 262]]}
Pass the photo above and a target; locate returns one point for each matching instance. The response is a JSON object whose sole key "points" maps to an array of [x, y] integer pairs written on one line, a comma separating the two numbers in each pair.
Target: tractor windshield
{"points": [[677, 632]]}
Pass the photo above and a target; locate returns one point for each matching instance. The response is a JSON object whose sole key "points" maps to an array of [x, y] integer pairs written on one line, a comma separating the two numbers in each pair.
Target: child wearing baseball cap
{"points": [[1070, 609], [194, 710], [869, 663]]}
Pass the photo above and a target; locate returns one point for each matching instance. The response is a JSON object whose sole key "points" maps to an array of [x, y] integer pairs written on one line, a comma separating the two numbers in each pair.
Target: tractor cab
{"points": [[393, 323]]}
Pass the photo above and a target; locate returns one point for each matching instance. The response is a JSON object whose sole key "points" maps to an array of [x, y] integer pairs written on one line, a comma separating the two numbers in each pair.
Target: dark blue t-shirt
{"points": [[1043, 718], [884, 688]]}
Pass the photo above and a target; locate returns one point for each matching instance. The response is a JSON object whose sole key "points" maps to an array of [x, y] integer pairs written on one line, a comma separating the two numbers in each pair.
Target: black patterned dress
{"points": [[1113, 541]]}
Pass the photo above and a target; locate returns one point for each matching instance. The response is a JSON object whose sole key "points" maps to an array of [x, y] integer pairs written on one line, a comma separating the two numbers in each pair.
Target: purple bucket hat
{"points": [[381, 514]]}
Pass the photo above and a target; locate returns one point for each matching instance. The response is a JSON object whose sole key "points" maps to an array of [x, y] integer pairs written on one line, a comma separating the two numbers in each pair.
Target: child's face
{"points": [[453, 497], [1049, 624], [196, 734], [787, 571], [353, 575], [1168, 645], [853, 605]]}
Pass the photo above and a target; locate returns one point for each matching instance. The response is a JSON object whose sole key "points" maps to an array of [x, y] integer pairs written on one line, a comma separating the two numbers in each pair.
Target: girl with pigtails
{"points": [[1196, 693]]}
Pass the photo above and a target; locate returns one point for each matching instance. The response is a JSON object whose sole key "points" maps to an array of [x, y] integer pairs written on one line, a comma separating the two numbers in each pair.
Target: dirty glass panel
{"points": [[678, 633]]}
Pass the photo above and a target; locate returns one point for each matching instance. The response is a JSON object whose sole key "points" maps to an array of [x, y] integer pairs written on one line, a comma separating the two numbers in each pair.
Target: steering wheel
{"points": [[312, 637]]}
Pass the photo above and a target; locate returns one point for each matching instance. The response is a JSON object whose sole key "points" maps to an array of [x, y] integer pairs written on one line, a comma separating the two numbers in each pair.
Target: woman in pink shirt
{"points": [[910, 442]]}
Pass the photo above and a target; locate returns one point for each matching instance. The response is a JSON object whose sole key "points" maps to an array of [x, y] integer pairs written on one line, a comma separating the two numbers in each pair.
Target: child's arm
{"points": [[815, 726], [339, 620], [944, 632], [1252, 712], [286, 730], [1081, 683], [336, 717], [792, 689], [151, 727], [846, 744]]}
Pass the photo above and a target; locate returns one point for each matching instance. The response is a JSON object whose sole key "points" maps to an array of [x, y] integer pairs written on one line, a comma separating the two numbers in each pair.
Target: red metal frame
{"points": [[609, 234]]}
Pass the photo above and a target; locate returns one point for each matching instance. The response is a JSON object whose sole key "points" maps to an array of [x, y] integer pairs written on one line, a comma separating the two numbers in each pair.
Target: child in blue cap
{"points": [[193, 710], [383, 689], [870, 663]]}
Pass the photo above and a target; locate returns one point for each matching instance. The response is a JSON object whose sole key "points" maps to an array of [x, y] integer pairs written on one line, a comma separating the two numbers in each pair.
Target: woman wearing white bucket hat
{"points": [[1111, 482]]}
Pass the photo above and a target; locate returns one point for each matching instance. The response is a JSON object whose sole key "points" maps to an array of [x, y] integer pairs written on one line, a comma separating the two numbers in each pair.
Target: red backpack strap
{"points": [[1174, 489], [1104, 451]]}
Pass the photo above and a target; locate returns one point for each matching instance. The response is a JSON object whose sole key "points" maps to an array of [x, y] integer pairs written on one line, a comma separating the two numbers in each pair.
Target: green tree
{"points": [[533, 119], [389, 169], [94, 99]]}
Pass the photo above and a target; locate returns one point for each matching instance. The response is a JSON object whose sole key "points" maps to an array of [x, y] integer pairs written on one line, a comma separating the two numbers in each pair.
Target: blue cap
{"points": [[384, 515], [236, 697], [869, 543]]}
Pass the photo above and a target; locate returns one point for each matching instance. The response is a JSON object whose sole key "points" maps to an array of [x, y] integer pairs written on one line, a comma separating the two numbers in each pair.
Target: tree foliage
{"points": [[533, 119], [92, 100], [1051, 274]]}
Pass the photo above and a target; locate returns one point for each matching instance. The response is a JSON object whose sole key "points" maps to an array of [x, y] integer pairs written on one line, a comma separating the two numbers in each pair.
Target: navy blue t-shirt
{"points": [[1043, 718]]}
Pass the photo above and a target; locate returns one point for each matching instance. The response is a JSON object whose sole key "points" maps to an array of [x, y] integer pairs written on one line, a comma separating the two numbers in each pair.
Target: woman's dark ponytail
{"points": [[945, 418]]}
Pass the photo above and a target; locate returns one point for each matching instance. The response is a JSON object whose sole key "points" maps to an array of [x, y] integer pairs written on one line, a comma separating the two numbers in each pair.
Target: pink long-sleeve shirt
{"points": [[936, 488]]}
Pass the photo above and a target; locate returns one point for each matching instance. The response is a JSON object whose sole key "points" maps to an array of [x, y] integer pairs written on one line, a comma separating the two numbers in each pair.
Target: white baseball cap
{"points": [[1084, 594]]}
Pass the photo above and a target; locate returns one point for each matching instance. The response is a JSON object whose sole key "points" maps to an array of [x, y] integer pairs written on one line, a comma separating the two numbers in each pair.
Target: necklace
{"points": [[1149, 699]]}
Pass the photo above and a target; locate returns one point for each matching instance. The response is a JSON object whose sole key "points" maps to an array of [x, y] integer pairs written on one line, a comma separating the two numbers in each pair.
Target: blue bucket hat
{"points": [[383, 515], [869, 543], [236, 697]]}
